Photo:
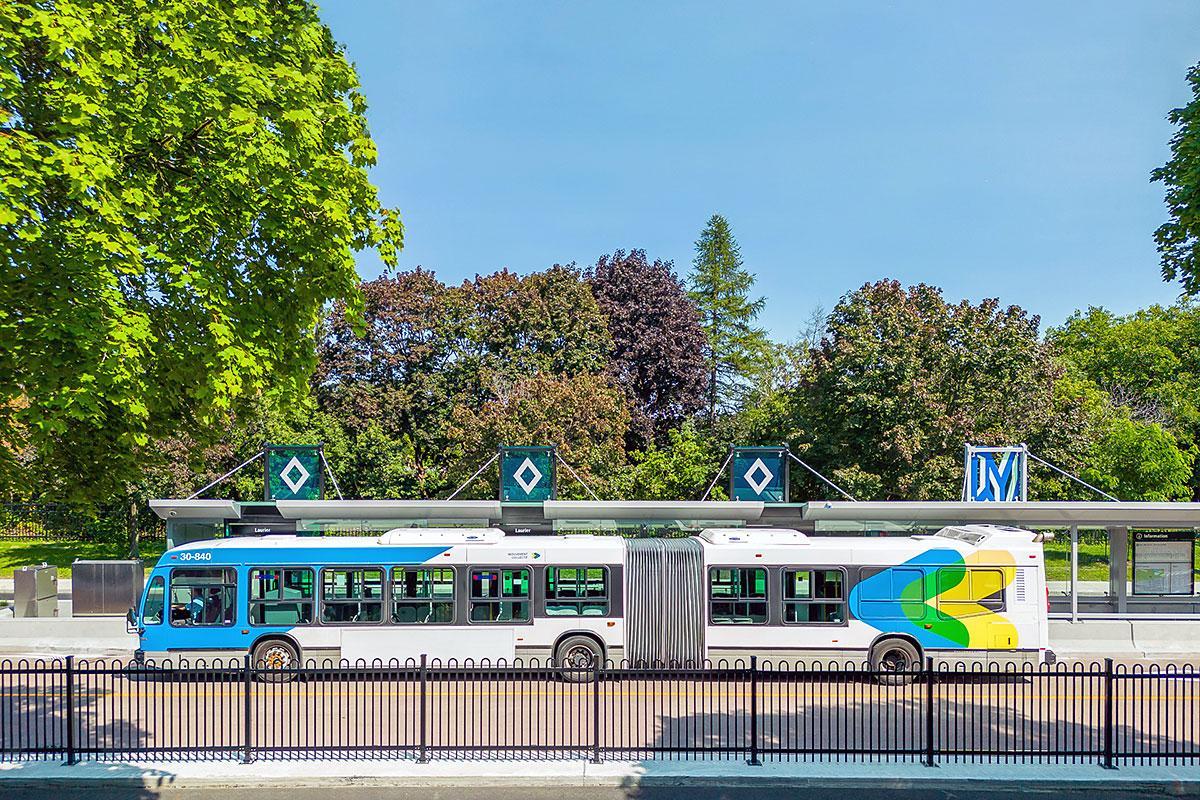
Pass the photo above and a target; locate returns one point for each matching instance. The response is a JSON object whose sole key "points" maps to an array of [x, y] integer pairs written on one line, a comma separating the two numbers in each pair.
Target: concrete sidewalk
{"points": [[6, 588], [1171, 780]]}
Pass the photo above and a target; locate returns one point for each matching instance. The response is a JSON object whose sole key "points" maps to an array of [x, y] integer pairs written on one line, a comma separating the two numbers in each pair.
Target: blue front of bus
{"points": [[196, 600], [204, 617]]}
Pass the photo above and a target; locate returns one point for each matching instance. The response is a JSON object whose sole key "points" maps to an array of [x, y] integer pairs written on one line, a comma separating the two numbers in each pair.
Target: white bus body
{"points": [[970, 593]]}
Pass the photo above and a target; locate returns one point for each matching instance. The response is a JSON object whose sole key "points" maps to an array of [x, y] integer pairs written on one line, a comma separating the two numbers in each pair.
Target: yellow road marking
{"points": [[271, 694]]}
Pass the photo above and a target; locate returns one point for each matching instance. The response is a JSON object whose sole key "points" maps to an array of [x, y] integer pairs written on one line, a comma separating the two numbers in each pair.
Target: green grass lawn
{"points": [[30, 552]]}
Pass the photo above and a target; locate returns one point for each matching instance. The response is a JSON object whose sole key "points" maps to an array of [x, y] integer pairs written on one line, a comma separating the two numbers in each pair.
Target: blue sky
{"points": [[992, 149]]}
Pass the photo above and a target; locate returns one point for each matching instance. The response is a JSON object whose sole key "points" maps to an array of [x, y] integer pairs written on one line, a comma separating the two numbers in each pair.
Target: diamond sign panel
{"points": [[759, 473], [527, 474], [293, 472]]}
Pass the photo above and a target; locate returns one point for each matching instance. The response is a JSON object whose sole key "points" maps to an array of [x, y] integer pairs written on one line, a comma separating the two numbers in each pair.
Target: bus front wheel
{"points": [[276, 659]]}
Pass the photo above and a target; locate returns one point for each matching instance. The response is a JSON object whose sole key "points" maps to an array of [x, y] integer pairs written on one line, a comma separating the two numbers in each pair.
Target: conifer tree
{"points": [[720, 287]]}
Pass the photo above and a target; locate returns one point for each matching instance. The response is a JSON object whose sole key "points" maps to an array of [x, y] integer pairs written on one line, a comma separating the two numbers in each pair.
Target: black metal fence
{"points": [[96, 710], [67, 522]]}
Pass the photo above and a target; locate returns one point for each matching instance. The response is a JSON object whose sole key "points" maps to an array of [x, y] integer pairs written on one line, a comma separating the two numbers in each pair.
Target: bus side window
{"points": [[987, 588], [967, 592], [813, 596], [352, 595], [576, 592], [499, 595], [422, 596], [152, 610], [281, 596], [737, 595]]}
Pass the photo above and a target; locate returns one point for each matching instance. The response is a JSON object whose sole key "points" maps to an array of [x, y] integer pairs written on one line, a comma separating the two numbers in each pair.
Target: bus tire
{"points": [[577, 656], [895, 661], [271, 656]]}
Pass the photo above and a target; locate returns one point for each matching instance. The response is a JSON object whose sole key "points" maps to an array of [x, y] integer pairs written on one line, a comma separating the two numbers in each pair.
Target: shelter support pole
{"points": [[1074, 573]]}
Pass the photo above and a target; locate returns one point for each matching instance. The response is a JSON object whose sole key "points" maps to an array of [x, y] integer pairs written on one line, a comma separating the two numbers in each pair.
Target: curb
{"points": [[1171, 784], [1164, 788]]}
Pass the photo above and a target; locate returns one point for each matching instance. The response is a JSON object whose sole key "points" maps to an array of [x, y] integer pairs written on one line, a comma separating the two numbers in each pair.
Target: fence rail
{"points": [[66, 522], [77, 710]]}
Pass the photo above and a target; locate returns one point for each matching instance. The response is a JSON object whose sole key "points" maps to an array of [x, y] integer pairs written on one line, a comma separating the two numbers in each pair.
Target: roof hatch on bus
{"points": [[442, 536], [977, 534], [755, 537]]}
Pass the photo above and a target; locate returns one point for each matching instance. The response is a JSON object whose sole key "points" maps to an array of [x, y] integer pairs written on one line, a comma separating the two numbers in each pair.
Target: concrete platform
{"points": [[81, 636], [1094, 637], [1119, 638]]}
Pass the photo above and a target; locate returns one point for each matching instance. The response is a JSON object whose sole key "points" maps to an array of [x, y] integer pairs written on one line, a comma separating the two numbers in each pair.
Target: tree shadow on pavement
{"points": [[35, 742], [1043, 716]]}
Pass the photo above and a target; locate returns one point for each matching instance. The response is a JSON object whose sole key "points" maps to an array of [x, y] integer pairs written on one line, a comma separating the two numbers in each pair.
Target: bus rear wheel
{"points": [[895, 661], [577, 657], [275, 659]]}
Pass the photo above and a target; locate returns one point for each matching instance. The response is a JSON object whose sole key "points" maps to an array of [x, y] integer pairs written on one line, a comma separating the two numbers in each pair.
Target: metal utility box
{"points": [[35, 591], [105, 587]]}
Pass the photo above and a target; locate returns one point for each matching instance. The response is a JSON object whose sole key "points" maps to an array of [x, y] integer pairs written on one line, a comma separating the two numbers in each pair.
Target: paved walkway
{"points": [[6, 587], [1170, 779]]}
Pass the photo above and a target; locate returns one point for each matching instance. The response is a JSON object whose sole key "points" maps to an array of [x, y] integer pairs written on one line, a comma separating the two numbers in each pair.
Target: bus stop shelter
{"points": [[1118, 519], [190, 520]]}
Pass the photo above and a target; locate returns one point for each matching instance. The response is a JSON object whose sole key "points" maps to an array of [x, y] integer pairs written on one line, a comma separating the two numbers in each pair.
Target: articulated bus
{"points": [[970, 593]]}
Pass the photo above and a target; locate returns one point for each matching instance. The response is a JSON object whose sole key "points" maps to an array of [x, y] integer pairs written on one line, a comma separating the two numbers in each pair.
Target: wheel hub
{"points": [[894, 661], [277, 658], [580, 658]]}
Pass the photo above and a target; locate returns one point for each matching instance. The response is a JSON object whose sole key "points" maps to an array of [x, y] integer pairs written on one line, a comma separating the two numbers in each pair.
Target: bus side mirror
{"points": [[131, 621]]}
